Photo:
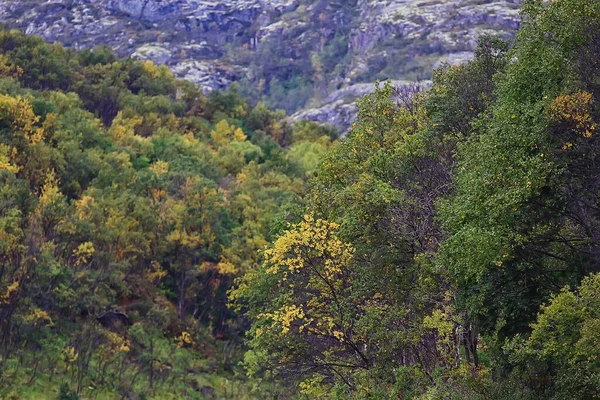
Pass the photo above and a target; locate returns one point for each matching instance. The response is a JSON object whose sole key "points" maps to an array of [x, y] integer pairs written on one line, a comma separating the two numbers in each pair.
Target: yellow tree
{"points": [[195, 220], [305, 316]]}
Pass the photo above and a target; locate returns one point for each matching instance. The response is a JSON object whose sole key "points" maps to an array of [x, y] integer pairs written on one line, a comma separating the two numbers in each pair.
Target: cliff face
{"points": [[292, 53]]}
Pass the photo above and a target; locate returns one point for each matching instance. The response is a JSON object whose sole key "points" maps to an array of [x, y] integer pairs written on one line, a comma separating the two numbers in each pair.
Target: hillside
{"points": [[158, 242], [293, 54], [129, 202]]}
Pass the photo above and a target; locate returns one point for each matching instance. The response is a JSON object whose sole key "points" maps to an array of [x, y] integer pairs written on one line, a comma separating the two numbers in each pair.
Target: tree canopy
{"points": [[129, 202], [468, 209]]}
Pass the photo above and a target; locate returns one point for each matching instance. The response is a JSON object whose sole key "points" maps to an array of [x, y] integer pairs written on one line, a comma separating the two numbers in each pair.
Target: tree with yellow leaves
{"points": [[303, 307], [195, 222]]}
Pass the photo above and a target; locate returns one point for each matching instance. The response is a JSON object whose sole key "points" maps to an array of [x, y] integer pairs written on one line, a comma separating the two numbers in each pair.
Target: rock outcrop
{"points": [[148, 10], [278, 48]]}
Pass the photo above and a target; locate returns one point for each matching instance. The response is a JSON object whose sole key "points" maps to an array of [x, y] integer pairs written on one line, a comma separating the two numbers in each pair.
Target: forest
{"points": [[159, 243]]}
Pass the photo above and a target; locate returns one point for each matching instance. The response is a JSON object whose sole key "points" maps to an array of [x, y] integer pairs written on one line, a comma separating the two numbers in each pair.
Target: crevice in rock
{"points": [[143, 9]]}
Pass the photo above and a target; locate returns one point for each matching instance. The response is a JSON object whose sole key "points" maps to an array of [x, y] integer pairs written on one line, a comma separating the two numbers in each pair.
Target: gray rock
{"points": [[212, 42], [147, 10], [338, 114], [155, 53]]}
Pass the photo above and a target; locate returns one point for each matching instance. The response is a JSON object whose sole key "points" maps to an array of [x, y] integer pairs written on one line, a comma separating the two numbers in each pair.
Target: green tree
{"points": [[560, 357], [518, 229]]}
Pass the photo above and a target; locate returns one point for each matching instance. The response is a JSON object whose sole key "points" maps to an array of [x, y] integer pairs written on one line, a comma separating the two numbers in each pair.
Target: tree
{"points": [[379, 322], [193, 237], [304, 324], [519, 227], [562, 348]]}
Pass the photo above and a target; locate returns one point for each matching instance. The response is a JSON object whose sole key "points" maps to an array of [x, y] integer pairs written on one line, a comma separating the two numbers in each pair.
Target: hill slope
{"points": [[129, 202], [292, 53]]}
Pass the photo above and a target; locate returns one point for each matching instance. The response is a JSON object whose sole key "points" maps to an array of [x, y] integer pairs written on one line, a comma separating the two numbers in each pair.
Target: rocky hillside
{"points": [[293, 54]]}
